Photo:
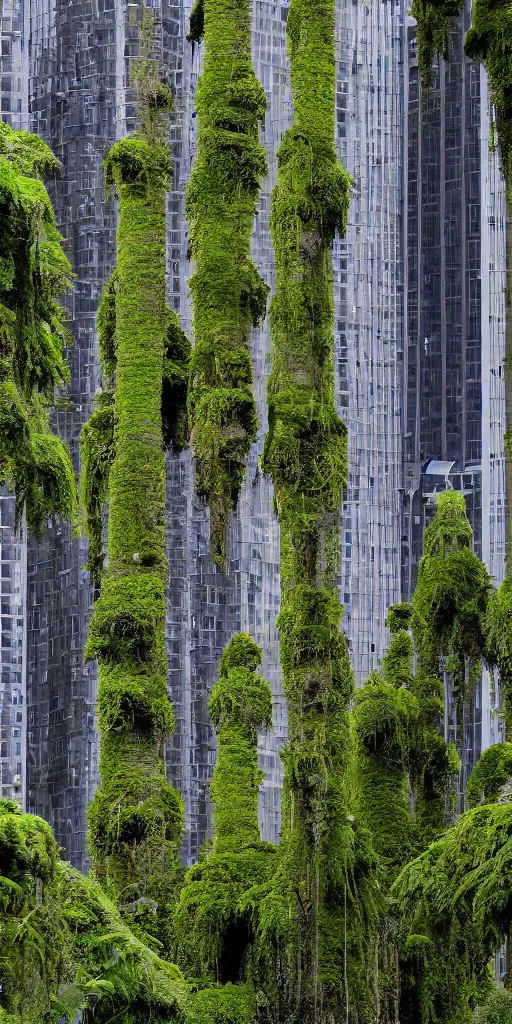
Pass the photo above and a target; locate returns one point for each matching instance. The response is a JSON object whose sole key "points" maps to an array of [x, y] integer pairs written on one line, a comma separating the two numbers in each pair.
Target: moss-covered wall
{"points": [[227, 292], [33, 272]]}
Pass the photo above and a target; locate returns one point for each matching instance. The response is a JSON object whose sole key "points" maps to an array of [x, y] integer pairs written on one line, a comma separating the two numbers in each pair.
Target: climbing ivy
{"points": [[135, 819], [34, 271], [227, 292]]}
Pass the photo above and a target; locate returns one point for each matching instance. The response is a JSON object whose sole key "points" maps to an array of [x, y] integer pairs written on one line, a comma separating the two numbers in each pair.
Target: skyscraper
{"points": [[454, 400]]}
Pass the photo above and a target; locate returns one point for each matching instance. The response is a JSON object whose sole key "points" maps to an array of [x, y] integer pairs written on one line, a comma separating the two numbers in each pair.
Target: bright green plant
{"points": [[215, 926], [34, 271], [451, 596], [227, 292], [63, 944], [305, 455], [226, 1004], [135, 819], [455, 902], [497, 1009], [492, 771], [383, 717]]}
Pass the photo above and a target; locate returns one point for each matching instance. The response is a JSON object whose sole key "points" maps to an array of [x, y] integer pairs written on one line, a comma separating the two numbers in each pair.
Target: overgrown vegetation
{"points": [[63, 944], [227, 292], [371, 909], [433, 32], [135, 819], [216, 916], [34, 271]]}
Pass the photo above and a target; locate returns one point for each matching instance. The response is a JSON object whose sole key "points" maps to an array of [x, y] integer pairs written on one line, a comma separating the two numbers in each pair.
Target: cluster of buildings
{"points": [[419, 286]]}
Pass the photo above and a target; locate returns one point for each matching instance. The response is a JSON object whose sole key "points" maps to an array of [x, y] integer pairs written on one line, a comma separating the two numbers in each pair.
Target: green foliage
{"points": [[433, 32], [383, 716], [229, 1004], [499, 642], [216, 916], [490, 40], [177, 353], [106, 324], [452, 593], [63, 944], [136, 818], [317, 909], [450, 530], [33, 272], [496, 1010], [457, 896], [128, 622], [97, 455], [227, 292], [492, 771]]}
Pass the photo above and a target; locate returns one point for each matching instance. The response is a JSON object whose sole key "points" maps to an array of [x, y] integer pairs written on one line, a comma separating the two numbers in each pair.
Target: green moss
{"points": [[33, 272], [63, 944], [96, 454], [305, 454], [106, 325], [433, 32], [177, 352], [384, 716], [128, 622], [216, 917], [227, 292], [136, 818], [452, 593], [492, 771]]}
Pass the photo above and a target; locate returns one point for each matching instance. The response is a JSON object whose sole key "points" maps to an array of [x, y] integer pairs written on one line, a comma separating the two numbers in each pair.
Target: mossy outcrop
{"points": [[305, 455], [228, 294], [135, 819], [217, 920], [34, 272]]}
